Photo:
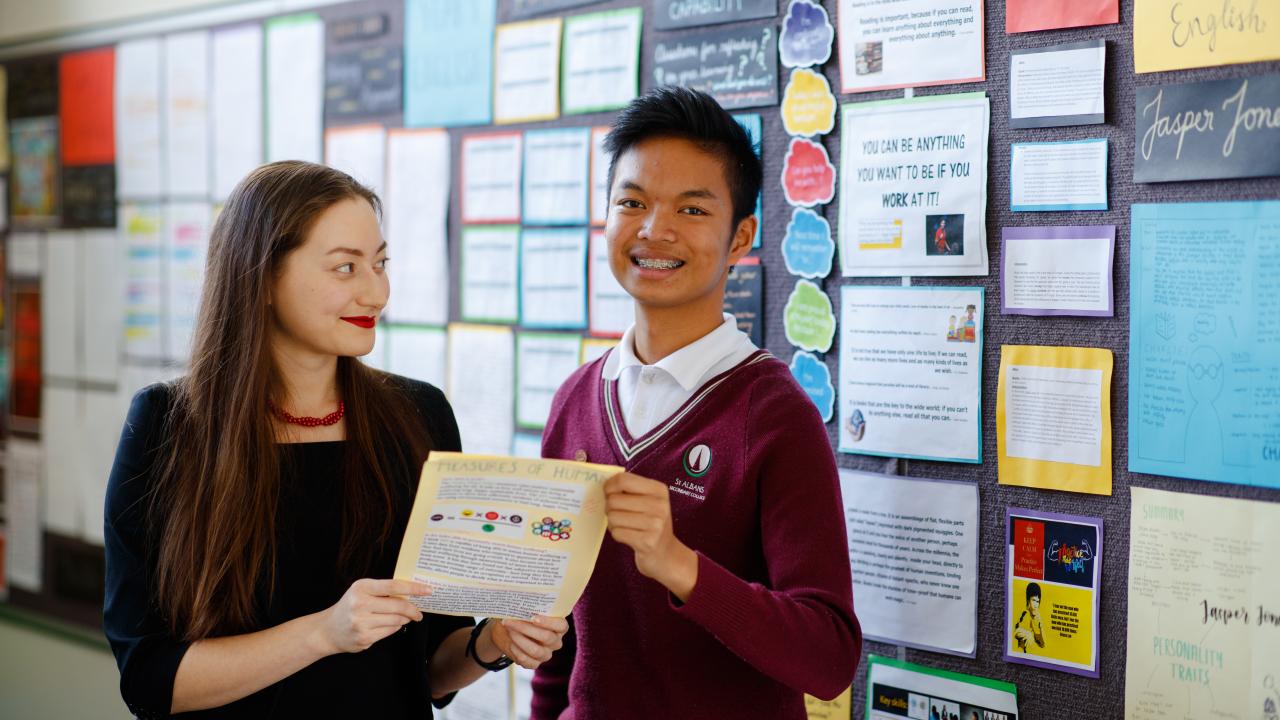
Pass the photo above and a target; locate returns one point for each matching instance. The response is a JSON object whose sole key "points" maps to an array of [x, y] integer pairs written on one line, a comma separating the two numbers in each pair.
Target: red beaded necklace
{"points": [[306, 421]]}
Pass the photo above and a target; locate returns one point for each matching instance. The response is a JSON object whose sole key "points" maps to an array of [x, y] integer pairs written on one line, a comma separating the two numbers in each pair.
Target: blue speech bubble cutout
{"points": [[807, 248], [806, 35], [815, 379]]}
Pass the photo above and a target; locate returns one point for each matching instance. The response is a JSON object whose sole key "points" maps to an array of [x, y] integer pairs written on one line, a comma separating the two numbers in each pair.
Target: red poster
{"points": [[24, 392], [1028, 15], [1028, 549], [86, 92]]}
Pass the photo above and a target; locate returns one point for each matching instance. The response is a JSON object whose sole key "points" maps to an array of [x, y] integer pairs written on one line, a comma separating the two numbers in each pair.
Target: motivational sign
{"points": [[1207, 130], [738, 67], [671, 14]]}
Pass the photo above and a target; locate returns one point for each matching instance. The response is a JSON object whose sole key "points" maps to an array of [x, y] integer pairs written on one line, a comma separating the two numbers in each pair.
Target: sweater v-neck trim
{"points": [[627, 447]]}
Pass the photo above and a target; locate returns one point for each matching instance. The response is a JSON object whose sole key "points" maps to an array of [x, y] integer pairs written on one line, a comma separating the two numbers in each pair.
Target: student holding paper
{"points": [[256, 505], [723, 588]]}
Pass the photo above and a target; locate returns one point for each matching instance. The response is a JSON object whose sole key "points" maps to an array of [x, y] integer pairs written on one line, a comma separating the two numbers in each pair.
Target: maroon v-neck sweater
{"points": [[754, 491]]}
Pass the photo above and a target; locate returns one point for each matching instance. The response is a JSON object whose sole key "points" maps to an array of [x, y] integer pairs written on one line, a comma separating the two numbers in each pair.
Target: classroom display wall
{"points": [[79, 405]]}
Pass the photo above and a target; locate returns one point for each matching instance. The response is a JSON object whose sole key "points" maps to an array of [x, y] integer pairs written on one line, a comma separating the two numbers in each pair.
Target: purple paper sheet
{"points": [[1056, 232]]}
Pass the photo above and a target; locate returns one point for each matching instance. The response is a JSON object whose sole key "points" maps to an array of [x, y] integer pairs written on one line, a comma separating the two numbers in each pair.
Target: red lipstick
{"points": [[364, 321]]}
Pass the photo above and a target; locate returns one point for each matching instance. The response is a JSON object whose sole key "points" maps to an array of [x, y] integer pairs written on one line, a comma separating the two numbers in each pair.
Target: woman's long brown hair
{"points": [[219, 474]]}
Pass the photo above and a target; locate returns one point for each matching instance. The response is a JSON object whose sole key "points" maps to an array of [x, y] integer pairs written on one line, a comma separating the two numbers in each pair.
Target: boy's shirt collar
{"points": [[689, 364]]}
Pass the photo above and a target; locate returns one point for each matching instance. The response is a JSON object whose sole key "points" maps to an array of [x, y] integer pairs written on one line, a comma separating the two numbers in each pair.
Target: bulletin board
{"points": [[1041, 693]]}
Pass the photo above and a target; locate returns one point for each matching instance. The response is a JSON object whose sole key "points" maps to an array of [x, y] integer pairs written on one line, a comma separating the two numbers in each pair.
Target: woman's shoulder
{"points": [[432, 405]]}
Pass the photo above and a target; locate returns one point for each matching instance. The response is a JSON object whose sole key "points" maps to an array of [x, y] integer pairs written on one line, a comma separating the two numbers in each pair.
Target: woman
{"points": [[256, 505]]}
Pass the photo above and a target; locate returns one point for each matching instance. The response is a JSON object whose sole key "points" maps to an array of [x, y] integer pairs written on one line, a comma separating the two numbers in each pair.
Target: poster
{"points": [[33, 185], [909, 43], [502, 536], [294, 88], [526, 71], [543, 362], [1053, 418], [236, 95], [1203, 363], [737, 66], [482, 369], [1058, 270], [1029, 15], [1053, 580], [1207, 130], [86, 112], [898, 689], [1058, 85], [364, 64], [911, 372], [673, 14], [1178, 34], [1203, 628], [1062, 175], [913, 188], [89, 196], [448, 58], [601, 64], [744, 297], [137, 122], [913, 550]]}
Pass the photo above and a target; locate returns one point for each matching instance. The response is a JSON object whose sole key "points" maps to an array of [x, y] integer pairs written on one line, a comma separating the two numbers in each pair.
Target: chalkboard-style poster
{"points": [[529, 8], [744, 298], [89, 196], [670, 14], [364, 63], [737, 66], [1207, 130]]}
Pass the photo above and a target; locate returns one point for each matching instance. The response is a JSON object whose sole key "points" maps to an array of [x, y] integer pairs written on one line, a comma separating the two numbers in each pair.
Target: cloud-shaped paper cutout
{"points": [[807, 247], [808, 106], [815, 379], [808, 177], [808, 319], [806, 35]]}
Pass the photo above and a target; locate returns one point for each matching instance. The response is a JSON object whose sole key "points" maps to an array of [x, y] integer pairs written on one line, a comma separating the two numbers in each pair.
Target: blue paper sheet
{"points": [[448, 55], [1204, 342]]}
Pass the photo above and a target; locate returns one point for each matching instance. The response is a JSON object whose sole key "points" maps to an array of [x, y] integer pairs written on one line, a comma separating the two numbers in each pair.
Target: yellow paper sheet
{"points": [[504, 536], [841, 708], [1053, 418], [1177, 34], [4, 126], [1204, 608]]}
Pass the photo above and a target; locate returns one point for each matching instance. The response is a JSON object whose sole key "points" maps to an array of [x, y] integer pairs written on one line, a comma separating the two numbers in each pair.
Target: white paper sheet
{"points": [[1055, 85], [379, 356], [482, 386], [553, 278], [62, 432], [23, 546], [417, 352], [417, 205], [526, 445], [522, 682], [491, 178], [526, 73], [910, 168], [361, 152], [1060, 274], [186, 114], [1068, 175], [1054, 414], [137, 121], [24, 255], [913, 549], [601, 60], [103, 418], [909, 43], [237, 106], [295, 88], [599, 177], [142, 244], [556, 176], [490, 289], [59, 304], [911, 372], [186, 244], [611, 309], [543, 363], [101, 307]]}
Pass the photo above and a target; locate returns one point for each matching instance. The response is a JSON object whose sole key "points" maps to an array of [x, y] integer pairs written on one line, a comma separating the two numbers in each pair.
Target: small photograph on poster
{"points": [[944, 235], [1052, 586]]}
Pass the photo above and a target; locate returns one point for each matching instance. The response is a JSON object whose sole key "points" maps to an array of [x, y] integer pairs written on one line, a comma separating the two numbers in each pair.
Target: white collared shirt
{"points": [[649, 394]]}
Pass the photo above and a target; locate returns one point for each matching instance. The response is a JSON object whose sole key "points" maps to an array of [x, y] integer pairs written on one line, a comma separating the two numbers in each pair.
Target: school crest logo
{"points": [[697, 460]]}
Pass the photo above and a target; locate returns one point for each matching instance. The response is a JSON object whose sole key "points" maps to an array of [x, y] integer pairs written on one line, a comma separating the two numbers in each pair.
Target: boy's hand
{"points": [[639, 512]]}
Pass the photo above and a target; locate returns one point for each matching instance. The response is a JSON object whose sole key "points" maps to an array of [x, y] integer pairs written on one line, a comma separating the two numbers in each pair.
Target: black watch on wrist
{"points": [[502, 663]]}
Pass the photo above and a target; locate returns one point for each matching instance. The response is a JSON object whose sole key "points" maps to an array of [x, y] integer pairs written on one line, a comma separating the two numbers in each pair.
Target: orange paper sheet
{"points": [[86, 90], [1028, 15]]}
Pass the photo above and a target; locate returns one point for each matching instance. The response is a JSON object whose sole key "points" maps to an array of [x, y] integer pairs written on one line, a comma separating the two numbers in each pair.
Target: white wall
{"points": [[27, 19], [42, 676]]}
